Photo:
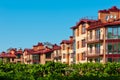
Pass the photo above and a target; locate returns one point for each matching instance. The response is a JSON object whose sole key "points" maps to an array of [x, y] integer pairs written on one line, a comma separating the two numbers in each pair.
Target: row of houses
{"points": [[92, 41]]}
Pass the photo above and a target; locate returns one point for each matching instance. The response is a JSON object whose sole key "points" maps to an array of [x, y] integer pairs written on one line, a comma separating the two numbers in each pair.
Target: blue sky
{"points": [[24, 23]]}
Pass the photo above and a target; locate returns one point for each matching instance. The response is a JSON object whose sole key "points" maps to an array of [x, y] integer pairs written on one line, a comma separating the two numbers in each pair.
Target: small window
{"points": [[109, 59], [83, 28], [83, 43], [12, 59], [78, 45], [90, 48], [83, 56], [78, 31], [97, 60], [48, 56], [63, 47], [90, 34], [77, 57], [72, 55], [63, 56], [119, 46], [90, 60]]}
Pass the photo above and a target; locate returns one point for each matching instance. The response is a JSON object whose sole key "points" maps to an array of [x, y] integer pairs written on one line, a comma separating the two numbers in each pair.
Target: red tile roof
{"points": [[66, 42], [83, 21], [19, 52], [7, 55], [39, 44], [99, 24], [56, 47], [42, 51], [113, 9]]}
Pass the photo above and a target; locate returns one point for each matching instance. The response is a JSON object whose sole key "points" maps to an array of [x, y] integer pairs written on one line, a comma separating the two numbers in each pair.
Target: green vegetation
{"points": [[58, 71]]}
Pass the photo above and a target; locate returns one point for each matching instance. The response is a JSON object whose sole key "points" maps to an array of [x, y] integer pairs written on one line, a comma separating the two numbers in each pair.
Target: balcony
{"points": [[113, 55], [18, 60], [94, 54], [57, 56], [95, 39]]}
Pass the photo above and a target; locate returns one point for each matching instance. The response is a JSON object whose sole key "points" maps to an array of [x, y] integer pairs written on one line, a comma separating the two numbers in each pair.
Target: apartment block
{"points": [[39, 54], [103, 37], [80, 34], [98, 40], [57, 53], [12, 56], [67, 51]]}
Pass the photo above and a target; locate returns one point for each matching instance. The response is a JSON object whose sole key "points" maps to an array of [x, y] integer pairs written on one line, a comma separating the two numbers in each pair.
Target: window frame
{"points": [[83, 43], [83, 29]]}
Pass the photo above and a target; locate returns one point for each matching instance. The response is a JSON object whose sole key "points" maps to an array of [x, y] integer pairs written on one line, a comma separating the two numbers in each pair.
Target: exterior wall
{"points": [[42, 58], [48, 59], [67, 53], [79, 39], [25, 57], [102, 16], [57, 55], [93, 41], [103, 55]]}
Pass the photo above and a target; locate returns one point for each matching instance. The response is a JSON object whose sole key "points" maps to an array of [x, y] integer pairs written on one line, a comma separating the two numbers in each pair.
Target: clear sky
{"points": [[24, 23]]}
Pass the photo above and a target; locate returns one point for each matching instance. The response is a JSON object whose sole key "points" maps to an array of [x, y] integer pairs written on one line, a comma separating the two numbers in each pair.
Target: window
{"points": [[113, 32], [48, 55], [83, 43], [118, 59], [36, 57], [56, 53], [90, 48], [72, 55], [113, 48], [63, 47], [90, 34], [78, 31], [97, 34], [109, 33], [78, 45], [97, 48], [12, 59], [114, 59], [119, 47], [71, 46], [109, 48], [83, 56], [77, 57], [64, 56], [97, 60], [18, 56], [119, 32], [109, 59], [90, 60], [83, 28]]}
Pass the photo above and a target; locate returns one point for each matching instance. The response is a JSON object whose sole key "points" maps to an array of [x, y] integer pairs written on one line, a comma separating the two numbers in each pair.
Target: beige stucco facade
{"points": [[67, 51]]}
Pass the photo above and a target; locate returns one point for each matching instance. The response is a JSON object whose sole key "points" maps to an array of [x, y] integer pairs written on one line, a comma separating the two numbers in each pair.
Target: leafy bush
{"points": [[59, 71]]}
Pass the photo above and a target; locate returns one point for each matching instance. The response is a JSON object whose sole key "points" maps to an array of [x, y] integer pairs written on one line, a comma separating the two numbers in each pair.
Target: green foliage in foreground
{"points": [[58, 71]]}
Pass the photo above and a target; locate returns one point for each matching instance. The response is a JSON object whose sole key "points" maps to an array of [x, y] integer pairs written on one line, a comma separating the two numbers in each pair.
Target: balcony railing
{"points": [[94, 39], [94, 53]]}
